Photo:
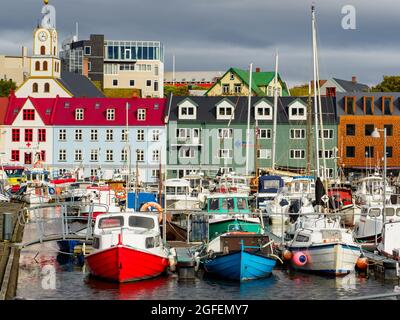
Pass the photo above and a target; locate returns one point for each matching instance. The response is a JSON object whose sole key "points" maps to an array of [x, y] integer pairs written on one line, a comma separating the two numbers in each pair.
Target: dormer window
{"points": [[79, 114], [387, 105], [225, 111], [349, 105], [297, 111], [187, 110], [110, 114], [368, 105], [29, 114], [263, 111], [141, 114]]}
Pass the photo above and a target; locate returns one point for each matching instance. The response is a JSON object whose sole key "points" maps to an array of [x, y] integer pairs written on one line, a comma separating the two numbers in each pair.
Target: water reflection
{"points": [[72, 281]]}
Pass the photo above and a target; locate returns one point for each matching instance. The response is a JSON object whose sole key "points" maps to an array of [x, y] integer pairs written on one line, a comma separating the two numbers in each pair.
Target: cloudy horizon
{"points": [[216, 34]]}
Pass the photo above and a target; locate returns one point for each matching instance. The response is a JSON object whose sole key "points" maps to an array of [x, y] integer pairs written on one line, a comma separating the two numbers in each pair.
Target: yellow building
{"points": [[236, 82], [15, 68]]}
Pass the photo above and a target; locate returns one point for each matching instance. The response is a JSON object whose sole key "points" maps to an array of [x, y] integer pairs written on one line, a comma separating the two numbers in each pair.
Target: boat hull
{"points": [[125, 264], [240, 266], [332, 259]]}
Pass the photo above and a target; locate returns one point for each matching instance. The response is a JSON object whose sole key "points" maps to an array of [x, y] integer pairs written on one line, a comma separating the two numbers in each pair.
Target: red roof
{"points": [[61, 111], [95, 111], [3, 109], [43, 106]]}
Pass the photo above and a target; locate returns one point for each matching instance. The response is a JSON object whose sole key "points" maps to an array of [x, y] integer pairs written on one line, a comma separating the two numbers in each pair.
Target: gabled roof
{"points": [[95, 111], [349, 86], [189, 100], [3, 109], [79, 85], [206, 112], [43, 106], [189, 76], [258, 79]]}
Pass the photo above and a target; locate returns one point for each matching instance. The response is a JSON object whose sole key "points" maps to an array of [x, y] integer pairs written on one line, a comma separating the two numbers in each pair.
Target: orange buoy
{"points": [[299, 259], [287, 255], [362, 263]]}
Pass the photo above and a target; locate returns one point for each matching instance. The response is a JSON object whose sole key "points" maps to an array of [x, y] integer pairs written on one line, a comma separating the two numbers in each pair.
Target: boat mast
{"points": [[127, 148], [317, 172], [248, 122], [309, 127], [275, 111]]}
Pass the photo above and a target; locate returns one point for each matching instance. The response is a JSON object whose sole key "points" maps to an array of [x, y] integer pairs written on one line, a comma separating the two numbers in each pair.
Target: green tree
{"points": [[6, 86], [389, 84]]}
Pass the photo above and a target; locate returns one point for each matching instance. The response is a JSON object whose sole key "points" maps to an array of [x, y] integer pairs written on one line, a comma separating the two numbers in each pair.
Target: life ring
{"points": [[52, 190], [148, 205], [120, 194]]}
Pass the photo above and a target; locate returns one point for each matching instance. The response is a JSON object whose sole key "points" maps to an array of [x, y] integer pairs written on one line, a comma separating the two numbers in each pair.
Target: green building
{"points": [[208, 134]]}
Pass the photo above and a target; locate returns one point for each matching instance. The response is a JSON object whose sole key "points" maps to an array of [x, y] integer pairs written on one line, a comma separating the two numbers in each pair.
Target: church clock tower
{"points": [[44, 81]]}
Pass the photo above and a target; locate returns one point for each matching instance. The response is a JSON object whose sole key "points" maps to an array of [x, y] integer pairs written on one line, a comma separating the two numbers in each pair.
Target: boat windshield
{"points": [[389, 212], [271, 184], [331, 234], [242, 203], [141, 222], [214, 204], [228, 204], [375, 212], [111, 222]]}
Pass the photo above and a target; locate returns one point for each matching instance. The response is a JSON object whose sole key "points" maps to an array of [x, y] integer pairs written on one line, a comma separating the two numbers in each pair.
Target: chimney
{"points": [[354, 79], [258, 69]]}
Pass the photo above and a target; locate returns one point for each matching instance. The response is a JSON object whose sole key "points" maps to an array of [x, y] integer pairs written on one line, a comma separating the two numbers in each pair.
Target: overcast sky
{"points": [[216, 34]]}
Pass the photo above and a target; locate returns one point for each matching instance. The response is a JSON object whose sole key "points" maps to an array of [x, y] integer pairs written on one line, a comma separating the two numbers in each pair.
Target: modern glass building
{"points": [[133, 50]]}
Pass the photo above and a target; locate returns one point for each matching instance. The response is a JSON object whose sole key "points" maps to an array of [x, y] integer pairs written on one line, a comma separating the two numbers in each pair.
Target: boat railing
{"points": [[63, 219]]}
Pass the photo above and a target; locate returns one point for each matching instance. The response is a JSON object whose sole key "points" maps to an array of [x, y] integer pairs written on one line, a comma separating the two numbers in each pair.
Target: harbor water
{"points": [[46, 274]]}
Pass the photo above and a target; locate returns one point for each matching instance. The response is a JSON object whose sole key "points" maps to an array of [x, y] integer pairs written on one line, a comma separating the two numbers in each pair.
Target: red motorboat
{"points": [[127, 247]]}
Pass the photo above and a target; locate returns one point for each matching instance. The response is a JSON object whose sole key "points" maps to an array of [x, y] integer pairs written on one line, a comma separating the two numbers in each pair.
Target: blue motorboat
{"points": [[248, 263]]}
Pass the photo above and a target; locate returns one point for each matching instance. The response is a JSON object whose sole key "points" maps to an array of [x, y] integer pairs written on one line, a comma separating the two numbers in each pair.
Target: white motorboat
{"points": [[328, 250], [370, 190], [371, 220], [179, 196]]}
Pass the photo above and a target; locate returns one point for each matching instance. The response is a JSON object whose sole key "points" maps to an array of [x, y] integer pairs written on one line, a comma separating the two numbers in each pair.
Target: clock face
{"points": [[42, 36]]}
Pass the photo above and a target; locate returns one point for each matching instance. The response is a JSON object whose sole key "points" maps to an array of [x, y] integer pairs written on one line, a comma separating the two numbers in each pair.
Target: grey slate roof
{"points": [[79, 85], [207, 110], [350, 86], [340, 98]]}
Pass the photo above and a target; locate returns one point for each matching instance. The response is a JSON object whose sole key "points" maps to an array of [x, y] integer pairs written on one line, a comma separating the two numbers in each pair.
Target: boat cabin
{"points": [[140, 230], [270, 184], [14, 174], [306, 237], [302, 185], [227, 204]]}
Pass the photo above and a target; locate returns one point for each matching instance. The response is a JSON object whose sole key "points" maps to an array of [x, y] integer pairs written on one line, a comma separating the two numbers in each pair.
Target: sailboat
{"points": [[319, 244]]}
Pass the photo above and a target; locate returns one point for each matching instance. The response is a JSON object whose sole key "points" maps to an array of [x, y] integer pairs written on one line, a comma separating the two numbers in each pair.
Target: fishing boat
{"points": [[14, 174], [268, 189], [329, 251], [240, 256], [102, 199], [179, 196], [227, 211], [302, 186], [370, 190], [231, 182], [37, 189], [369, 228], [127, 247], [341, 200]]}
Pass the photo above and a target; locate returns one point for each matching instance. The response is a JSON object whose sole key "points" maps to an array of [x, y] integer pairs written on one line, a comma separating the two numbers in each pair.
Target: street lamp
{"points": [[375, 134]]}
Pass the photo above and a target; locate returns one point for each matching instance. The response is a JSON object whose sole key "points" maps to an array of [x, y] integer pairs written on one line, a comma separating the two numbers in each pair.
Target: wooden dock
{"points": [[9, 262]]}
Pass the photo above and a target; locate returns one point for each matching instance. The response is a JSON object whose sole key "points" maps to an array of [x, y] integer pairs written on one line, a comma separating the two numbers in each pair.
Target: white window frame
{"points": [[141, 114], [329, 154], [94, 155], [155, 156], [94, 135], [140, 135], [124, 155], [293, 155], [109, 155], [264, 154], [231, 76], [109, 135], [139, 155], [262, 105], [225, 116], [187, 133], [79, 114], [297, 106], [78, 156], [225, 133], [298, 131], [155, 135], [90, 51], [124, 135], [78, 134], [110, 114], [237, 85], [225, 88], [330, 134], [155, 173], [225, 153], [268, 133], [187, 115], [62, 135], [62, 155]]}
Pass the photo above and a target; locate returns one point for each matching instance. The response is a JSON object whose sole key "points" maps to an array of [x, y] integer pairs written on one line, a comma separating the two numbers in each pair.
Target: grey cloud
{"points": [[217, 34]]}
